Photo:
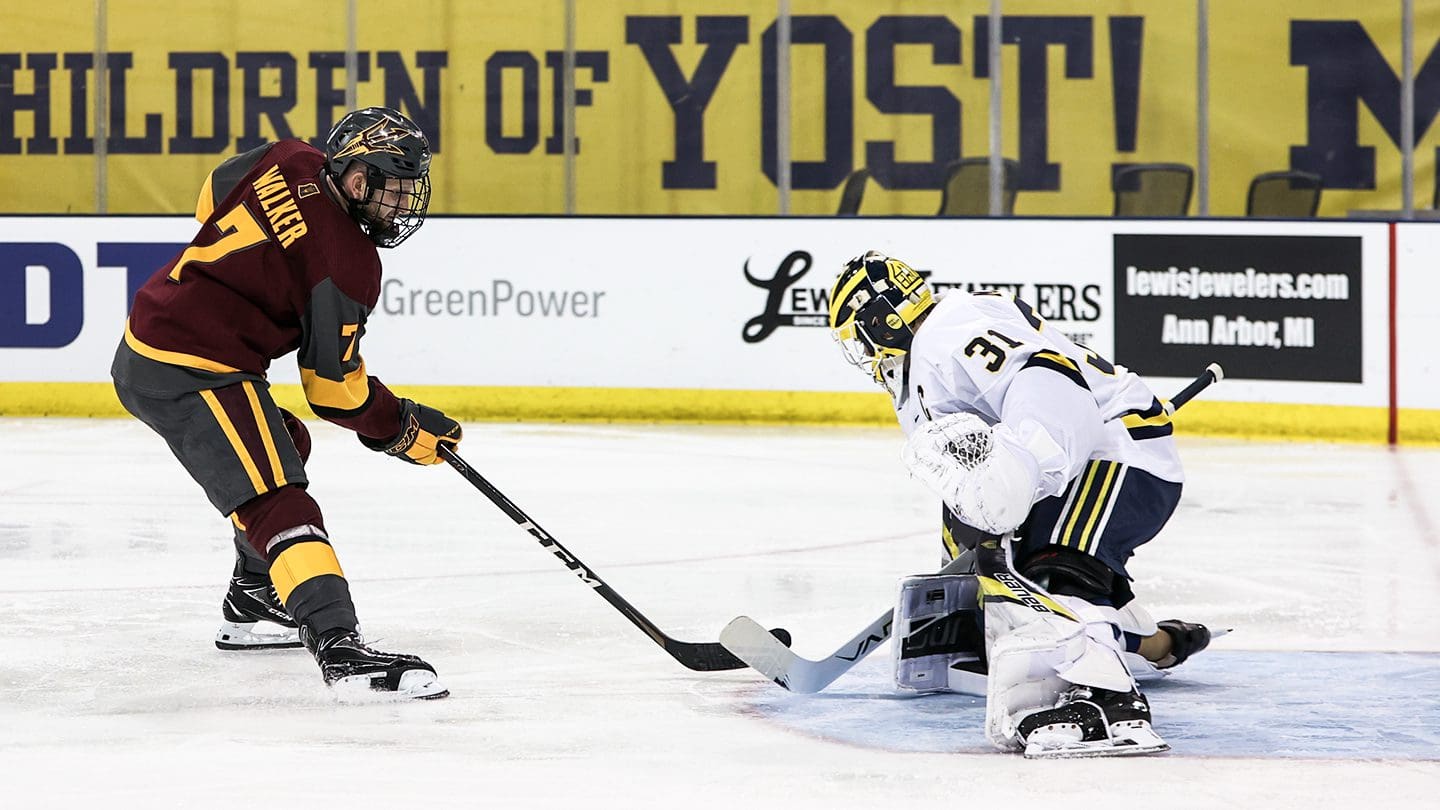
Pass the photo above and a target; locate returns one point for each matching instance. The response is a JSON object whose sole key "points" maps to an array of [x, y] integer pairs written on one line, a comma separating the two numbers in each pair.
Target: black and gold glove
{"points": [[422, 431]]}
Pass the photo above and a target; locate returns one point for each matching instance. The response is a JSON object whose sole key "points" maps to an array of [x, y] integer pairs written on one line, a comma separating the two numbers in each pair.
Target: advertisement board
{"points": [[740, 304], [1264, 307]]}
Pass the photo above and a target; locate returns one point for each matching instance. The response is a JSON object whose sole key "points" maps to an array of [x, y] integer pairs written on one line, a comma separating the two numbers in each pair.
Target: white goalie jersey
{"points": [[966, 358]]}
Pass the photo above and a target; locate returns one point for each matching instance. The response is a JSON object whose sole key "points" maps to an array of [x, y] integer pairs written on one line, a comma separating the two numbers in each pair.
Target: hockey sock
{"points": [[285, 525]]}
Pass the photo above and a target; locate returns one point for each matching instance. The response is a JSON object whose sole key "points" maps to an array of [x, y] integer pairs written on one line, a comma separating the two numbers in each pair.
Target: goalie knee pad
{"points": [[940, 637], [1063, 571]]}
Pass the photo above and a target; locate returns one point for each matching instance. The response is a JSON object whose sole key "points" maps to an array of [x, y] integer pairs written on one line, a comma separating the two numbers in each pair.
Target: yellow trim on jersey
{"points": [[993, 587], [205, 204], [1058, 358], [230, 433], [173, 358], [1078, 504], [265, 437], [235, 518], [1087, 534], [1135, 420], [301, 562], [345, 395]]}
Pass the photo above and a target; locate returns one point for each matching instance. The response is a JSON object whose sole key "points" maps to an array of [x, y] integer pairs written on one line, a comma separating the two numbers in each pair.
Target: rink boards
{"points": [[1322, 326]]}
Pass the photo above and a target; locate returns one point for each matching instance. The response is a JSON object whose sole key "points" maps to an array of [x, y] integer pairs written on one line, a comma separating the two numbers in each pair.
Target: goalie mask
{"points": [[396, 158], [874, 307]]}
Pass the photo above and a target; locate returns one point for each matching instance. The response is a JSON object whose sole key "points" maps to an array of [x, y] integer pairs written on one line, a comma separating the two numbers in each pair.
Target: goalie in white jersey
{"points": [[1053, 465]]}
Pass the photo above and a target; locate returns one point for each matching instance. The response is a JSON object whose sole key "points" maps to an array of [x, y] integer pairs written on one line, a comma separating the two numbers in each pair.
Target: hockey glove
{"points": [[422, 431]]}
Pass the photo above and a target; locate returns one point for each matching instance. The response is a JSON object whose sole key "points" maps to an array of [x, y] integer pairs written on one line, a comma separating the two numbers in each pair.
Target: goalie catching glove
{"points": [[422, 431], [988, 476]]}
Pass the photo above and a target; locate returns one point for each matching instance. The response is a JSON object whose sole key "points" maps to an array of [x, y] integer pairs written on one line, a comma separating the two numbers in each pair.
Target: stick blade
{"points": [[758, 647]]}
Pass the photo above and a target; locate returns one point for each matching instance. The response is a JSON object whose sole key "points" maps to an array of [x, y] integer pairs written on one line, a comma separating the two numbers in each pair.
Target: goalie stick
{"points": [[744, 637], [701, 657]]}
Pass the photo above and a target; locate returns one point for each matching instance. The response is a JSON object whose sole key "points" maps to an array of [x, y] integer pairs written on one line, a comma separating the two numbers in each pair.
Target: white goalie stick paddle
{"points": [[754, 645], [743, 637]]}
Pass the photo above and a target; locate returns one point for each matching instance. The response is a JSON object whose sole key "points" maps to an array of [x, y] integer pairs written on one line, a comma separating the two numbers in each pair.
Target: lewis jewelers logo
{"points": [[789, 304], [1264, 307]]}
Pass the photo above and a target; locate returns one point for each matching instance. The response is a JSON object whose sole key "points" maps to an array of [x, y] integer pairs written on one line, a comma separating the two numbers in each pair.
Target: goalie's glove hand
{"points": [[977, 470], [422, 432]]}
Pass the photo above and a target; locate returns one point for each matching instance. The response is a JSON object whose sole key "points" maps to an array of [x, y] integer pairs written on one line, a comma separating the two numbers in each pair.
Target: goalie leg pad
{"points": [[940, 636], [1024, 676]]}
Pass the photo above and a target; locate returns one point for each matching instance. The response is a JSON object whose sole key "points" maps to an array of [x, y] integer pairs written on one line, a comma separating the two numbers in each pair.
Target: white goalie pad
{"points": [[1031, 666], [1037, 651], [939, 637], [1024, 677], [983, 474]]}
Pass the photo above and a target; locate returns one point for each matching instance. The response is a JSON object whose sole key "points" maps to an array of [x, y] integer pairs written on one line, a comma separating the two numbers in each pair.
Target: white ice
{"points": [[112, 566]]}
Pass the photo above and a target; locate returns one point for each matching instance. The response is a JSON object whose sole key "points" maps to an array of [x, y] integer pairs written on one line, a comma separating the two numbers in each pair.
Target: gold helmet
{"points": [[874, 307]]}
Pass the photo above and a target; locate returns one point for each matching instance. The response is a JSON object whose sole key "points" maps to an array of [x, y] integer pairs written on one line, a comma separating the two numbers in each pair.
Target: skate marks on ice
{"points": [[1267, 705]]}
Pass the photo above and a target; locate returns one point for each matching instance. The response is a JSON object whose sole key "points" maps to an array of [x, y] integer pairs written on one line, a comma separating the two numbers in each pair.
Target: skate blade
{"points": [[416, 684], [256, 636], [1126, 742]]}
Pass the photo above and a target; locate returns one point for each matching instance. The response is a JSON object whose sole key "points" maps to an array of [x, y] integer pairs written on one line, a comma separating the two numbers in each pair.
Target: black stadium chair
{"points": [[1284, 195], [853, 192], [1152, 189], [966, 192]]}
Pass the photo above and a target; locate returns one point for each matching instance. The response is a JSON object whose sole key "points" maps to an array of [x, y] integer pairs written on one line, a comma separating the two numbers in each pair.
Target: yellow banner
{"points": [[677, 110]]}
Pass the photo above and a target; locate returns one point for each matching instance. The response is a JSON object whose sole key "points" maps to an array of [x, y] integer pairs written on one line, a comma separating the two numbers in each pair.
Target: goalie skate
{"points": [[358, 673], [1091, 722], [254, 619]]}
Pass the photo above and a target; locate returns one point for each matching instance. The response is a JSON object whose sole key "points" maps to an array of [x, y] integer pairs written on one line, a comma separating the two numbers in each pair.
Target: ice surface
{"points": [[1326, 560]]}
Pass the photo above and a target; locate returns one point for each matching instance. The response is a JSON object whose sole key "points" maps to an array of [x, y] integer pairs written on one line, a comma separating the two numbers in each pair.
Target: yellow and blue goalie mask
{"points": [[874, 306]]}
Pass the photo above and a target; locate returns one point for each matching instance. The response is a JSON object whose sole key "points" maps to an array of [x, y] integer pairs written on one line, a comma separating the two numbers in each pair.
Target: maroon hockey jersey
{"points": [[278, 266]]}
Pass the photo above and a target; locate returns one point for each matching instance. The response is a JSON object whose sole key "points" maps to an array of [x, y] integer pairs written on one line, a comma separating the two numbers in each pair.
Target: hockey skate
{"points": [[358, 673], [1091, 722], [253, 618]]}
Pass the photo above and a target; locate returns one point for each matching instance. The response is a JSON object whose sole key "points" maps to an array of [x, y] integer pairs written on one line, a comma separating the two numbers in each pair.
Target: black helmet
{"points": [[391, 147]]}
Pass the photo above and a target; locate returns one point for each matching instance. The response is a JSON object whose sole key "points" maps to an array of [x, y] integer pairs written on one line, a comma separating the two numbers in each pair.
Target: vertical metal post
{"points": [[102, 107], [1202, 107], [1407, 106], [567, 126], [352, 56], [782, 105], [997, 167]]}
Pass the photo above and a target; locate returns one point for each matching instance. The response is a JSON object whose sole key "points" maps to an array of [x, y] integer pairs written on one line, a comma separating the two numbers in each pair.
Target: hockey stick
{"points": [[701, 657], [1213, 373], [749, 641]]}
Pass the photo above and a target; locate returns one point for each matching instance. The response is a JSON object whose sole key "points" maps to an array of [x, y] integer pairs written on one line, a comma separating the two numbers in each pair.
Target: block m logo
{"points": [[1346, 68]]}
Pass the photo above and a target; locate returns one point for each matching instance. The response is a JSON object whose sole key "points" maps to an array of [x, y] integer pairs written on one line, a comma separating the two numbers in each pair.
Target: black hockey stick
{"points": [[701, 657], [748, 640], [1212, 374]]}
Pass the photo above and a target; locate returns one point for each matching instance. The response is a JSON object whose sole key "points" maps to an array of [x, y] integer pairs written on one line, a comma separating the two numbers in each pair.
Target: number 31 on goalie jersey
{"points": [[993, 346]]}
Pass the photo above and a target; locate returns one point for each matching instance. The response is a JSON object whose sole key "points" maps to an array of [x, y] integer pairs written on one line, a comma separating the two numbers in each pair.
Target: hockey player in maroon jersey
{"points": [[286, 261]]}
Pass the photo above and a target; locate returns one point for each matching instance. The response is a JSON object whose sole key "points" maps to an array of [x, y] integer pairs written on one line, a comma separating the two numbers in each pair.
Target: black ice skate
{"points": [[254, 619], [357, 672], [1187, 639], [1091, 722]]}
